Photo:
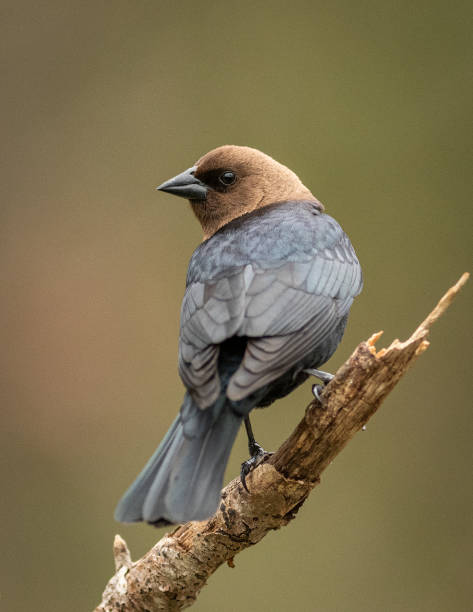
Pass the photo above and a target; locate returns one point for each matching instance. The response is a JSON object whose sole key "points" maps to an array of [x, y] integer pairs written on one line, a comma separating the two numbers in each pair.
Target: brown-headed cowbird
{"points": [[267, 298]]}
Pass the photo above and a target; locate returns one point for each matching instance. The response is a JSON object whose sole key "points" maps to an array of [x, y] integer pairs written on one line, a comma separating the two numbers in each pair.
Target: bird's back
{"points": [[282, 280]]}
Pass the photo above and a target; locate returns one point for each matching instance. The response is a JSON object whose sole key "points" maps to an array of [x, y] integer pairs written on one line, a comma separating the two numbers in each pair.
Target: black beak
{"points": [[185, 185]]}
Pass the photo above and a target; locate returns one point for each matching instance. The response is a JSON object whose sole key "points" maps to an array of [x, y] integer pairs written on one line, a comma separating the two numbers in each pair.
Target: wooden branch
{"points": [[170, 576]]}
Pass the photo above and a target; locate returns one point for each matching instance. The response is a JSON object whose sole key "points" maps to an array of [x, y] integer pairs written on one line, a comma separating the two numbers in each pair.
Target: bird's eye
{"points": [[227, 177]]}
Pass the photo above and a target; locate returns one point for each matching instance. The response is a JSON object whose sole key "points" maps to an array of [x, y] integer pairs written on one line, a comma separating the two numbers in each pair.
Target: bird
{"points": [[267, 297]]}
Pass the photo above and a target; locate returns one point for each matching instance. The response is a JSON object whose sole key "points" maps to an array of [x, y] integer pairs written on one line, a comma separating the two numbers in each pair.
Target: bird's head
{"points": [[230, 181]]}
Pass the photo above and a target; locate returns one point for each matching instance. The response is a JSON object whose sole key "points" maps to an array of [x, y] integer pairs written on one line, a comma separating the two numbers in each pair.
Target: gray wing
{"points": [[285, 312], [211, 313]]}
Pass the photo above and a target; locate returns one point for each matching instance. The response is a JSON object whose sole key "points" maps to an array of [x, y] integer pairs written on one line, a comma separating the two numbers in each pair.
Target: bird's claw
{"points": [[325, 377], [316, 390], [258, 457]]}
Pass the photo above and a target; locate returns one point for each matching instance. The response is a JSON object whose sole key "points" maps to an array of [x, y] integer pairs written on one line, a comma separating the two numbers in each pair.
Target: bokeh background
{"points": [[370, 103]]}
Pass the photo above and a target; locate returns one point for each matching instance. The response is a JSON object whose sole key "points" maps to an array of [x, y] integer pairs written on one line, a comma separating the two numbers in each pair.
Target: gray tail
{"points": [[183, 479]]}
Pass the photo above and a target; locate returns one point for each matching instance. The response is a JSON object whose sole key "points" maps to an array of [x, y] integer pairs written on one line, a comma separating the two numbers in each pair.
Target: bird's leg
{"points": [[253, 447], [257, 454], [325, 377]]}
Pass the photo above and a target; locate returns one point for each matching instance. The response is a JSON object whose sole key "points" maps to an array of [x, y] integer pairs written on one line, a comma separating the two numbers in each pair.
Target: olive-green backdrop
{"points": [[370, 103]]}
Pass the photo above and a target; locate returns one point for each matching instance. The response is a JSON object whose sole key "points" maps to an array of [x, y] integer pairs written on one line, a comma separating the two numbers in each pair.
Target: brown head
{"points": [[231, 181]]}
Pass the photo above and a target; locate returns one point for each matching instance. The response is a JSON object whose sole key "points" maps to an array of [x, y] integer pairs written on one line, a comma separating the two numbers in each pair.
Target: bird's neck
{"points": [[212, 218]]}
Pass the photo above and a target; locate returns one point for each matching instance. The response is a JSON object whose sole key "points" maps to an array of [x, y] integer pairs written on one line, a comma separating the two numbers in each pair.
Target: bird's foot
{"points": [[325, 377], [258, 456]]}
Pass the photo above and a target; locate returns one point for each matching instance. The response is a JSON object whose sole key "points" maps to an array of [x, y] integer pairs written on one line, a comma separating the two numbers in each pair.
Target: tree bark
{"points": [[170, 576]]}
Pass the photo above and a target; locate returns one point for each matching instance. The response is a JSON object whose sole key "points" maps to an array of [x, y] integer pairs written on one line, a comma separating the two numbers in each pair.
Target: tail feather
{"points": [[130, 507], [183, 479]]}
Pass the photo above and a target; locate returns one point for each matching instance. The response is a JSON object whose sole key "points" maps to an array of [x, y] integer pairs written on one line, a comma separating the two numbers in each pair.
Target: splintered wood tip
{"points": [[372, 341]]}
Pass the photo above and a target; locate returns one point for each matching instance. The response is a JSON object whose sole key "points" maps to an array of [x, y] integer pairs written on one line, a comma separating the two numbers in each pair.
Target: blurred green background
{"points": [[370, 103]]}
